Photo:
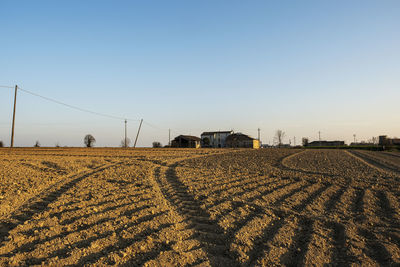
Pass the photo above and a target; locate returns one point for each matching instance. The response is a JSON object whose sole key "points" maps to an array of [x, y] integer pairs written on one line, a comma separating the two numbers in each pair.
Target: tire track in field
{"points": [[260, 196], [373, 162], [341, 254], [299, 247], [252, 248], [387, 161], [299, 234], [301, 239], [369, 215], [255, 210], [358, 204], [50, 168], [284, 166], [387, 210], [375, 249], [95, 216], [281, 220], [207, 231], [338, 237], [41, 201], [335, 208], [246, 185], [332, 202], [260, 243], [327, 230]]}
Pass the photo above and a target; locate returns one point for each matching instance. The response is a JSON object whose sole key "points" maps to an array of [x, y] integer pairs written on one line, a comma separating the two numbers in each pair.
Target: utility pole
{"points": [[319, 137], [13, 121], [169, 137], [126, 140], [258, 134], [140, 125], [354, 135]]}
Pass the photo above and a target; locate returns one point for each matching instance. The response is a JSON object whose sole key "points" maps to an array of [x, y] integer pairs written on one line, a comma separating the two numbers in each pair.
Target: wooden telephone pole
{"points": [[126, 140], [13, 121], [319, 137], [140, 125]]}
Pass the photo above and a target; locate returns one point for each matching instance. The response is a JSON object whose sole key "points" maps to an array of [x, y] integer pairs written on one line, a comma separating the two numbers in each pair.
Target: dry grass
{"points": [[209, 207]]}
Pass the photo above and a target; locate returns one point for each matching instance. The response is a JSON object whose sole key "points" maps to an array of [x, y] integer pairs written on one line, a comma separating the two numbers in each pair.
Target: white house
{"points": [[214, 139]]}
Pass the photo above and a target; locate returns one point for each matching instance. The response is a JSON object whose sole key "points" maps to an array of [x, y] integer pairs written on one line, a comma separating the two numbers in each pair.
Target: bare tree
{"points": [[375, 140], [279, 135], [157, 144], [125, 143], [304, 141], [89, 140], [57, 144], [37, 144]]}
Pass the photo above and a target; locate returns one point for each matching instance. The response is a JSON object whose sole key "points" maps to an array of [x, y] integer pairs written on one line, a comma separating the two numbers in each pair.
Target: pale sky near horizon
{"points": [[194, 66]]}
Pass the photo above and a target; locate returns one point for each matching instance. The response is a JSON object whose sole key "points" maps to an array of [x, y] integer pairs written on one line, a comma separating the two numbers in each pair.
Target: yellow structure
{"points": [[256, 143]]}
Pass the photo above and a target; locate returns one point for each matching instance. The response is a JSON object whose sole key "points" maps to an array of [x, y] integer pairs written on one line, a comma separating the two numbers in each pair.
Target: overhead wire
{"points": [[75, 107], [86, 110], [161, 129], [153, 126]]}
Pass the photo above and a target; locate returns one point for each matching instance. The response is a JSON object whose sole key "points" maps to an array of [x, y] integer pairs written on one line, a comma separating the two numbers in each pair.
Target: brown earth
{"points": [[186, 207]]}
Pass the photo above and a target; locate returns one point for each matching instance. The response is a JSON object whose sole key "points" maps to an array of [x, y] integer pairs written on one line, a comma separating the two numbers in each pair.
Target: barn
{"points": [[242, 141], [186, 141]]}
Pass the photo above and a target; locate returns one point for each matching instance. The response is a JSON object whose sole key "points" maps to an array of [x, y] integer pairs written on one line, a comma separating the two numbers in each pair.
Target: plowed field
{"points": [[186, 207]]}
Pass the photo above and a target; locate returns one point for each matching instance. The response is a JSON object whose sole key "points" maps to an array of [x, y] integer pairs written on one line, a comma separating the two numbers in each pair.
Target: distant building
{"points": [[326, 143], [241, 140], [214, 139], [284, 146], [266, 146], [362, 144], [186, 141], [385, 141]]}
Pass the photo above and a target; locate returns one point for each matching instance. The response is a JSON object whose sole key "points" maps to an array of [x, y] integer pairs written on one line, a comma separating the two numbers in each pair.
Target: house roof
{"points": [[211, 133], [325, 142], [238, 137], [188, 137]]}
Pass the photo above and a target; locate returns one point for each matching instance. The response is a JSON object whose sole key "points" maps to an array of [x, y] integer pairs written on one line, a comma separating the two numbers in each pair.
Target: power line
{"points": [[159, 128], [90, 111], [75, 107], [86, 110], [153, 126]]}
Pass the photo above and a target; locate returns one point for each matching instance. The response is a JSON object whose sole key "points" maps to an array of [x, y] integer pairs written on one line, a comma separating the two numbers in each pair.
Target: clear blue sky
{"points": [[299, 66]]}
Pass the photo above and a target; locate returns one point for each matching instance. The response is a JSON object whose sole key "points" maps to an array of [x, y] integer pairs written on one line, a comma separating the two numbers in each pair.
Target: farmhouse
{"points": [[385, 141], [186, 141], [214, 139], [326, 143], [241, 140]]}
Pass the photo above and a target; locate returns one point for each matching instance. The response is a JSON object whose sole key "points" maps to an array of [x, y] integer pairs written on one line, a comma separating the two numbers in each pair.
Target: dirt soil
{"points": [[205, 207]]}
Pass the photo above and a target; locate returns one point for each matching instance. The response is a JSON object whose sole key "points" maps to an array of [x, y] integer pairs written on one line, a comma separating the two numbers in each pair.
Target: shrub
{"points": [[157, 144]]}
